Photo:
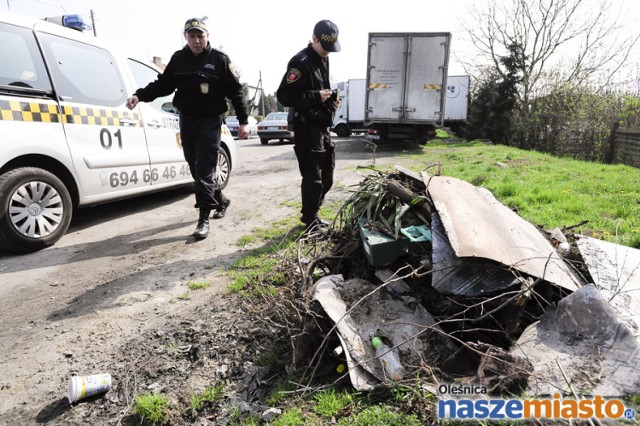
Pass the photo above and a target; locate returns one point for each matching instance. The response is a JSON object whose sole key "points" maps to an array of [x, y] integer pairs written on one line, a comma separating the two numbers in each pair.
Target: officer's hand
{"points": [[132, 102], [243, 131], [325, 94], [336, 104]]}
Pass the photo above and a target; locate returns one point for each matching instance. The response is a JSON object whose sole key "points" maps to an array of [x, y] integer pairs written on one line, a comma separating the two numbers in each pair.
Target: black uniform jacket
{"points": [[189, 75], [307, 74]]}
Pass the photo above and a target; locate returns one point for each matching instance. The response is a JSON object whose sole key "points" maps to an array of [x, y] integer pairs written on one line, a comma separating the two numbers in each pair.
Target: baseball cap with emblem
{"points": [[327, 33], [195, 24]]}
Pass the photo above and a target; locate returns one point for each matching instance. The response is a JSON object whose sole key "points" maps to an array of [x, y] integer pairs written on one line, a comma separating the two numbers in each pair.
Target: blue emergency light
{"points": [[70, 21]]}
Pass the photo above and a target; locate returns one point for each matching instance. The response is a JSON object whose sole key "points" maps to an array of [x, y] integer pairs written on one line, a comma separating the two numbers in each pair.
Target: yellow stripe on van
{"points": [[48, 113]]}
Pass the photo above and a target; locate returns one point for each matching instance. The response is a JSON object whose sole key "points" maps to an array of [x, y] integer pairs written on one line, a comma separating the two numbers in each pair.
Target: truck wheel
{"points": [[223, 171], [343, 131], [264, 141], [35, 209]]}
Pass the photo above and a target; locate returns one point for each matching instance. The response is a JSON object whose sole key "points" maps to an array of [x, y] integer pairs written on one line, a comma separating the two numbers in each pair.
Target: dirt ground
{"points": [[109, 297]]}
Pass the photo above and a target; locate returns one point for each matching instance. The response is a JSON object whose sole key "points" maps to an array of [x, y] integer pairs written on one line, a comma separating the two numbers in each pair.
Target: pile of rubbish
{"points": [[458, 288]]}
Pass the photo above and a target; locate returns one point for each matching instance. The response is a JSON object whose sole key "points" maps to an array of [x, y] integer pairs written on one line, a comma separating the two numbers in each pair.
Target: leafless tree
{"points": [[569, 39]]}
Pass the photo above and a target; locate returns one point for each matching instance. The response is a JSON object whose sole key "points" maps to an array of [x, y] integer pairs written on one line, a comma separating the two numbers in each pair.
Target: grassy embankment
{"points": [[545, 190]]}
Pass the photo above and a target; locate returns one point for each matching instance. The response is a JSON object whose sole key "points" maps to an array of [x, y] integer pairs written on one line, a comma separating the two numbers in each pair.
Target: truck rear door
{"points": [[427, 58], [406, 75], [385, 79]]}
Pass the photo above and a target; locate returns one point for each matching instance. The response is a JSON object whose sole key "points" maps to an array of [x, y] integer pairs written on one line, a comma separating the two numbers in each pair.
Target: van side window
{"points": [[21, 63], [83, 73], [143, 75]]}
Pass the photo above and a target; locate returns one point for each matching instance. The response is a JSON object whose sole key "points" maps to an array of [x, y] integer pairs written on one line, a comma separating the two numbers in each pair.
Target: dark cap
{"points": [[195, 24], [327, 33]]}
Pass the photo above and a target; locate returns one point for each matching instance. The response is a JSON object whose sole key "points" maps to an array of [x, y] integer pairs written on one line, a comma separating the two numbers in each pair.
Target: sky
{"points": [[260, 36]]}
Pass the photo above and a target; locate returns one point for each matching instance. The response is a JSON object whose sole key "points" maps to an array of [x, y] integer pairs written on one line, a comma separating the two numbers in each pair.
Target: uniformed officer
{"points": [[202, 77], [306, 89]]}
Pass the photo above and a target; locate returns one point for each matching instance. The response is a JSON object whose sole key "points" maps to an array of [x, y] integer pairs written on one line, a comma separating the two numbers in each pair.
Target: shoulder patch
{"points": [[293, 75], [234, 70]]}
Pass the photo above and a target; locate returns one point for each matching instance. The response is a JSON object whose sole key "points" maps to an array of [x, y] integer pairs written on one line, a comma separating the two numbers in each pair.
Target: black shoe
{"points": [[315, 222], [220, 212], [202, 229]]}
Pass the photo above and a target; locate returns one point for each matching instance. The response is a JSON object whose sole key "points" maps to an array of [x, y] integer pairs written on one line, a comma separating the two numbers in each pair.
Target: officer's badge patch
{"points": [[293, 75], [234, 70]]}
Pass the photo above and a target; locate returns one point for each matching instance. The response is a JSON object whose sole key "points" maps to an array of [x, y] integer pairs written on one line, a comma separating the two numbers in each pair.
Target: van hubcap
{"points": [[36, 209]]}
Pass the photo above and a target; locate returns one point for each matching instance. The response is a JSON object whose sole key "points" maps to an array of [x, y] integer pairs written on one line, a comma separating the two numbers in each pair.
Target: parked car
{"points": [[67, 140], [232, 124], [274, 126]]}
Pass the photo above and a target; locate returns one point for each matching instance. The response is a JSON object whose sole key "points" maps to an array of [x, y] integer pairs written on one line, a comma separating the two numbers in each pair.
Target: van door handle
{"points": [[126, 122], [155, 124]]}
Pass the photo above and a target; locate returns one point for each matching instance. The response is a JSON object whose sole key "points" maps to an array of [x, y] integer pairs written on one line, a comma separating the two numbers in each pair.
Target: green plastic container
{"points": [[382, 249]]}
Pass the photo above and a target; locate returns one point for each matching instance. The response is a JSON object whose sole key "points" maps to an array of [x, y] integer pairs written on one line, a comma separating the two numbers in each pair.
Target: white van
{"points": [[67, 139]]}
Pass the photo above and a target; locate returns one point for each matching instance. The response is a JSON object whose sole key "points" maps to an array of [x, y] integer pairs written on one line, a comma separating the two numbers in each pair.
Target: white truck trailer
{"points": [[406, 78], [457, 102], [349, 118]]}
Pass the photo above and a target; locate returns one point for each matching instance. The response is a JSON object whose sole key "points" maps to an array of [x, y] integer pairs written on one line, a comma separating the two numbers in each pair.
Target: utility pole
{"points": [[8, 5], [93, 23], [261, 94]]}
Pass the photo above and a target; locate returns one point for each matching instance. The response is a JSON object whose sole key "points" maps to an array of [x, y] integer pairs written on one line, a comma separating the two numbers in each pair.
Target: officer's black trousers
{"points": [[200, 143], [316, 160]]}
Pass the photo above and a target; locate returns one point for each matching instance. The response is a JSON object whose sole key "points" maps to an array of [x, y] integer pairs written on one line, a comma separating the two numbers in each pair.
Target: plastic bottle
{"points": [[389, 359]]}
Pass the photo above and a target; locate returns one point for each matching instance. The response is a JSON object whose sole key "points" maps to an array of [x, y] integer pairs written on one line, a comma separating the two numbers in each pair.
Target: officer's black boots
{"points": [[222, 210], [202, 229], [314, 222]]}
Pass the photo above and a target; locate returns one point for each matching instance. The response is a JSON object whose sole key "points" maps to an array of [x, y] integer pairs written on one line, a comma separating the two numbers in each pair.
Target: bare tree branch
{"points": [[569, 38]]}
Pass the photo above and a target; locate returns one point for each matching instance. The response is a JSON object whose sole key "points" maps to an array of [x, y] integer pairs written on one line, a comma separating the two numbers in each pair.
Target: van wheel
{"points": [[223, 171], [343, 131], [35, 209], [264, 141]]}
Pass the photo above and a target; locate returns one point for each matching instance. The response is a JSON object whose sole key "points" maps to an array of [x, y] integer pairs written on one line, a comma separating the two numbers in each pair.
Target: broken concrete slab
{"points": [[327, 291], [479, 226], [362, 310], [615, 271], [581, 346], [472, 277]]}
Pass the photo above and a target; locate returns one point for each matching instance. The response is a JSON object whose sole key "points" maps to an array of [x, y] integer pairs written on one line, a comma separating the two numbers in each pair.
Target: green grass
{"points": [[380, 415], [210, 394], [278, 393], [184, 296], [152, 407], [330, 402], [249, 274], [546, 190], [265, 359], [292, 417], [198, 285]]}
